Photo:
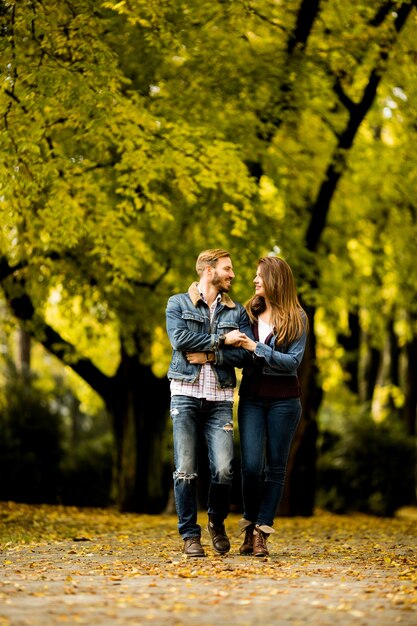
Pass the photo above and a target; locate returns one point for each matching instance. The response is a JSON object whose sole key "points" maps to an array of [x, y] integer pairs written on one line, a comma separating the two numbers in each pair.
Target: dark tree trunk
{"points": [[25, 350], [394, 366], [139, 406], [138, 403], [370, 374], [299, 492], [351, 344], [410, 405], [394, 356]]}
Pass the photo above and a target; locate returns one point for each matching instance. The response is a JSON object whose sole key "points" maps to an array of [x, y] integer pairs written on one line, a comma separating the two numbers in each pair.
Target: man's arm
{"points": [[180, 336]]}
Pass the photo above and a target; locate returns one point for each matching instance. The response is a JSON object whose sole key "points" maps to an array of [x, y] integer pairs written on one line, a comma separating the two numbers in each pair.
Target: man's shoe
{"points": [[218, 536], [193, 547]]}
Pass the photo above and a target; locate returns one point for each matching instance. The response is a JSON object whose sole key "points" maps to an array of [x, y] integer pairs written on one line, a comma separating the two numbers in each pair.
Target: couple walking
{"points": [[211, 335]]}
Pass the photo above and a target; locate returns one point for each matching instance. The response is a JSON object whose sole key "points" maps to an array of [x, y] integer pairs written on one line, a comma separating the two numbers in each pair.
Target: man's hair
{"points": [[209, 257]]}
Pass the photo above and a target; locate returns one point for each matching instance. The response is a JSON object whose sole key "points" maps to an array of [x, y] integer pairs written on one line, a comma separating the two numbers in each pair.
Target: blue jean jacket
{"points": [[190, 330], [272, 360]]}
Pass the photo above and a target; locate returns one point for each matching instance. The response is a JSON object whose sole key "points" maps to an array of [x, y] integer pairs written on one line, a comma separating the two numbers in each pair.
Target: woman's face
{"points": [[258, 282]]}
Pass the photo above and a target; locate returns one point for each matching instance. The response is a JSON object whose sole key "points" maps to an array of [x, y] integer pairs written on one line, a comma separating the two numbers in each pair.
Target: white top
{"points": [[264, 330]]}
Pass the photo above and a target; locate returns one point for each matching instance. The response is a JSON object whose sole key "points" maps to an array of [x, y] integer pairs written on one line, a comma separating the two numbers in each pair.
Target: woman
{"points": [[269, 406]]}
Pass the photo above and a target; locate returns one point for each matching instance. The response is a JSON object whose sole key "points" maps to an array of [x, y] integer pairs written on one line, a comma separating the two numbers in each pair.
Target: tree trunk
{"points": [[25, 350], [370, 374], [299, 492], [138, 403], [394, 355], [393, 367], [410, 404], [139, 406], [350, 344]]}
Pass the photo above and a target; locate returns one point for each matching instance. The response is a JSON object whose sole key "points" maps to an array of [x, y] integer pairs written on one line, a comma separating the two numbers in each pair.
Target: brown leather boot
{"points": [[247, 545], [259, 542], [193, 547], [218, 536]]}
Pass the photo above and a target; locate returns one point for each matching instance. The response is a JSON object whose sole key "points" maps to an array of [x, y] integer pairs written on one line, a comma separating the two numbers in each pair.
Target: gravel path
{"points": [[325, 570]]}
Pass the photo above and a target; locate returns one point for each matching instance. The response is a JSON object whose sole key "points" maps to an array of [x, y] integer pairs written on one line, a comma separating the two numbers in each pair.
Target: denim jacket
{"points": [[190, 330], [272, 360]]}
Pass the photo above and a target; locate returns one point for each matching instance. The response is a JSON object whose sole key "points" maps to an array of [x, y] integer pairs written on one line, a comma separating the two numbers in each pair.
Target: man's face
{"points": [[222, 274]]}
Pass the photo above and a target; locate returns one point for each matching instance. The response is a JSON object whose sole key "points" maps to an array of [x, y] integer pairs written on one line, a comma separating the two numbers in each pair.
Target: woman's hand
{"points": [[240, 340], [247, 343], [233, 338]]}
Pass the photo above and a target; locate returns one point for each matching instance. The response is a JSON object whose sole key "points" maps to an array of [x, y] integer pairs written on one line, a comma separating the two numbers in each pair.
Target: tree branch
{"points": [[306, 17], [382, 13], [343, 97], [7, 270], [297, 42], [66, 353], [337, 164], [22, 307]]}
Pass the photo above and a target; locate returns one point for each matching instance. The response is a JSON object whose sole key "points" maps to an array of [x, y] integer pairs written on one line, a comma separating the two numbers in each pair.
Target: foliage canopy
{"points": [[136, 133]]}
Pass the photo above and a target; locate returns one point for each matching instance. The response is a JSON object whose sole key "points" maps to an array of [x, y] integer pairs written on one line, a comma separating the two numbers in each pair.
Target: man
{"points": [[202, 379]]}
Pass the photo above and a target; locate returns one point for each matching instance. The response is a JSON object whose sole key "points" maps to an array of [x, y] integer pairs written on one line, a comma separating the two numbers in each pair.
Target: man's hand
{"points": [[199, 358]]}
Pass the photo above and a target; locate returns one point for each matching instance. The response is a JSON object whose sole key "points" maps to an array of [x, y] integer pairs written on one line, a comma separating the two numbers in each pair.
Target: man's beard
{"points": [[221, 285]]}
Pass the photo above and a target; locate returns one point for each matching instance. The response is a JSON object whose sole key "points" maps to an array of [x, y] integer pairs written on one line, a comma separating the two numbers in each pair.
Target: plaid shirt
{"points": [[206, 385]]}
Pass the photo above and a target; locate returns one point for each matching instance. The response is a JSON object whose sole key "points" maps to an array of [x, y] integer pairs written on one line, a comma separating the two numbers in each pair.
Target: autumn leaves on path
{"points": [[66, 565]]}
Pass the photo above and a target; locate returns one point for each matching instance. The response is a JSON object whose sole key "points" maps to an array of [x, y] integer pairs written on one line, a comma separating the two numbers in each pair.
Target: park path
{"points": [[102, 568]]}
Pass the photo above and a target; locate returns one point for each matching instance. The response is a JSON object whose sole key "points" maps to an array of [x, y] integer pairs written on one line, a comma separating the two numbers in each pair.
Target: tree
{"points": [[136, 134], [97, 197]]}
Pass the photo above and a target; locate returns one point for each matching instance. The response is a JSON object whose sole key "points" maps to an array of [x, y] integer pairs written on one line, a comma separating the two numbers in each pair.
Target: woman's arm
{"points": [[282, 361]]}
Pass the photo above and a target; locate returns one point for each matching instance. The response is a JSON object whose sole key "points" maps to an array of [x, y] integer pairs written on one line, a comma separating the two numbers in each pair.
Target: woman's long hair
{"points": [[287, 316]]}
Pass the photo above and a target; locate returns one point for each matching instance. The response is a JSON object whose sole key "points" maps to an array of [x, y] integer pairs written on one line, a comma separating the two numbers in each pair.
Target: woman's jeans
{"points": [[266, 428], [192, 417]]}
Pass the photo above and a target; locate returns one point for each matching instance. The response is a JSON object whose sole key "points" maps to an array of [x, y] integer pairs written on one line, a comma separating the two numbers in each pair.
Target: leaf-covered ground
{"points": [[62, 565]]}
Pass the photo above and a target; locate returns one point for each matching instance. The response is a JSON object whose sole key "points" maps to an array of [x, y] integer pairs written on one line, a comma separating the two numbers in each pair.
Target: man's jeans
{"points": [[266, 428], [190, 417]]}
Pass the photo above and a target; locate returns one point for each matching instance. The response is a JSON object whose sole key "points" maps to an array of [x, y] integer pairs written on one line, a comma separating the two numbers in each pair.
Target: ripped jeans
{"points": [[191, 418]]}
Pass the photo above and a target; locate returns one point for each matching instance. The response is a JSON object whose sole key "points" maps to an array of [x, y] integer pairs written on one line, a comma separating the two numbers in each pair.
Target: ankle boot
{"points": [[259, 542], [218, 536], [247, 545], [193, 547]]}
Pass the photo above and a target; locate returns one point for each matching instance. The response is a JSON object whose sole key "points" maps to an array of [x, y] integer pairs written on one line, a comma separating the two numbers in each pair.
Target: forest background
{"points": [[136, 133]]}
